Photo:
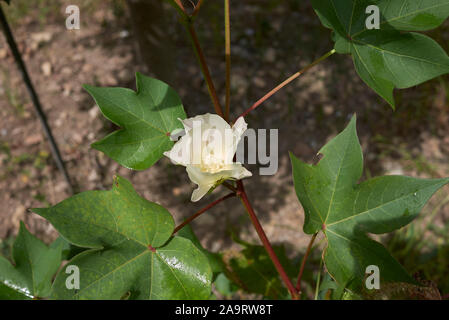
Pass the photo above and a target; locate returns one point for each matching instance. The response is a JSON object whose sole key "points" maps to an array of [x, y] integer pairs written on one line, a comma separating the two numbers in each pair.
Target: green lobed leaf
{"points": [[6, 246], [146, 118], [327, 287], [35, 265], [8, 293], [388, 58], [13, 285], [215, 260], [346, 211], [220, 281], [225, 286], [132, 251], [68, 250]]}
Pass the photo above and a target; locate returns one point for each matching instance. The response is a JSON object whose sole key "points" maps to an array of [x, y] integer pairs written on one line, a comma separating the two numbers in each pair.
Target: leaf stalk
{"points": [[197, 8], [286, 82], [266, 243], [303, 263], [200, 212]]}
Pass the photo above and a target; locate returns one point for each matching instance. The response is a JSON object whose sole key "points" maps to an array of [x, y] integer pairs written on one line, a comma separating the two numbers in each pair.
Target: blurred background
{"points": [[271, 39]]}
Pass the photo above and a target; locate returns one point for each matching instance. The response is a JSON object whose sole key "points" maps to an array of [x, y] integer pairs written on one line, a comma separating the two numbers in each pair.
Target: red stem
{"points": [[187, 21], [204, 68], [263, 237], [269, 94], [197, 214], [197, 8], [446, 296], [286, 82], [303, 263], [229, 186]]}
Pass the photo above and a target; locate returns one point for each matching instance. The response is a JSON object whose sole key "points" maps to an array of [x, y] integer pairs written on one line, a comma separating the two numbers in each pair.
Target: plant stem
{"points": [[317, 287], [188, 24], [228, 58], [200, 212], [229, 186], [35, 100], [197, 8], [303, 263], [204, 68], [177, 4], [286, 82], [266, 243], [180, 5]]}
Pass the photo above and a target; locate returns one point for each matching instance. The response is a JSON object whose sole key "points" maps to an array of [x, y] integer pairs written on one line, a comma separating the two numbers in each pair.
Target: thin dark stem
{"points": [[35, 99], [228, 58], [286, 82], [200, 212], [266, 243], [303, 263], [188, 24], [229, 186], [204, 68]]}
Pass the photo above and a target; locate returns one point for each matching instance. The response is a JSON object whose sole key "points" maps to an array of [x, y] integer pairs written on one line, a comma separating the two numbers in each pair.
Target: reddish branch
{"points": [[196, 215], [204, 68], [229, 186], [303, 263], [286, 82], [197, 8], [266, 243], [187, 21]]}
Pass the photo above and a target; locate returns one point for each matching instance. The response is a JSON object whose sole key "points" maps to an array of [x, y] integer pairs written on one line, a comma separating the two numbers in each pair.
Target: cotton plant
{"points": [[124, 246]]}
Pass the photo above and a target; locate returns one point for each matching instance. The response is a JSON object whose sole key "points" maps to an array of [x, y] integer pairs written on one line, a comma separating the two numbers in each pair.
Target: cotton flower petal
{"points": [[199, 192], [204, 180], [239, 172], [206, 121], [216, 122], [211, 161], [180, 153], [201, 178], [176, 134], [238, 129]]}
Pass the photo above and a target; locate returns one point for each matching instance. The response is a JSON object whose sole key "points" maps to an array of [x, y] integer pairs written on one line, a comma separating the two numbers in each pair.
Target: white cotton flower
{"points": [[207, 150]]}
